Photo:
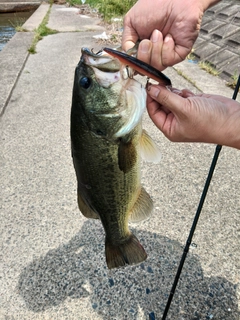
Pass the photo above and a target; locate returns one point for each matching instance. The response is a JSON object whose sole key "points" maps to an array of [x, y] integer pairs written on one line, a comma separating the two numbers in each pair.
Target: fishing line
{"points": [[197, 215]]}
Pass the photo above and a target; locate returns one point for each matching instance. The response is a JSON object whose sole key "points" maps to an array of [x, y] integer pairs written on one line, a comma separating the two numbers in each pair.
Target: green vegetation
{"points": [[209, 68], [18, 26], [40, 32], [74, 2], [191, 56], [17, 23], [232, 84], [108, 8], [20, 29]]}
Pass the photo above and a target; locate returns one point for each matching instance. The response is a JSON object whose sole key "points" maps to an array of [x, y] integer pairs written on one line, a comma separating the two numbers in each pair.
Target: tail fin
{"points": [[129, 252]]}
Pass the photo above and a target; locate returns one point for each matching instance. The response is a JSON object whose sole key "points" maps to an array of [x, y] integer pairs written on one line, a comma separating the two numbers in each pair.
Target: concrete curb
{"points": [[36, 18], [18, 6], [14, 55]]}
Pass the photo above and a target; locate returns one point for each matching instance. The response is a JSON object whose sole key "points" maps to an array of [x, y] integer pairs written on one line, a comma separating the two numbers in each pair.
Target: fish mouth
{"points": [[89, 52], [100, 60], [140, 66]]}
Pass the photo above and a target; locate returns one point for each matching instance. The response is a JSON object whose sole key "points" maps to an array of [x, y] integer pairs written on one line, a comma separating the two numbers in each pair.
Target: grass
{"points": [[74, 2], [108, 8], [209, 68], [191, 56], [17, 23], [20, 29], [40, 32], [232, 84]]}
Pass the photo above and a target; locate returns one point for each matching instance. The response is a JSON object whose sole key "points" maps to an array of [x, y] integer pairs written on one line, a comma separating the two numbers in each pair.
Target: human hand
{"points": [[172, 27], [185, 117]]}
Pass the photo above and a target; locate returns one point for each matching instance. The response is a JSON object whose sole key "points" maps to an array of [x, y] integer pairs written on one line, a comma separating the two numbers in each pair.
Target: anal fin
{"points": [[142, 208], [129, 252], [85, 209]]}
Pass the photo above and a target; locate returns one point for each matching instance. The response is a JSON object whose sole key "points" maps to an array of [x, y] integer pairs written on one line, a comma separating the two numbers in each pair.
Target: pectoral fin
{"points": [[142, 208], [127, 156], [148, 149], [85, 209]]}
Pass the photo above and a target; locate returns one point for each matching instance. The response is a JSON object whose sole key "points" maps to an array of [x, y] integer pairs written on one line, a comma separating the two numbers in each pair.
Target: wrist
{"points": [[231, 137]]}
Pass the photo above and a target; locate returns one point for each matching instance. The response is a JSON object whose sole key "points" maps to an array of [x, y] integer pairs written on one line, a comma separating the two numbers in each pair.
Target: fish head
{"points": [[105, 96]]}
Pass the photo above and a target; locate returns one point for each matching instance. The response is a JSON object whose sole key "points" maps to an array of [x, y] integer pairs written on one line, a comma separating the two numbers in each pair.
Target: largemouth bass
{"points": [[108, 142]]}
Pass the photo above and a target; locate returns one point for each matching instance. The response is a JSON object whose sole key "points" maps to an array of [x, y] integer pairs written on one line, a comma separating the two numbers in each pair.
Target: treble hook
{"points": [[148, 84], [130, 76], [100, 51]]}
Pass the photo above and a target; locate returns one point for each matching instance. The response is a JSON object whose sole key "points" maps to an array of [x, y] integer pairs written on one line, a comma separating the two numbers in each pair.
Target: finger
{"points": [[168, 55], [128, 45], [187, 93], [156, 54], [144, 51], [156, 113], [172, 54], [130, 36], [173, 102]]}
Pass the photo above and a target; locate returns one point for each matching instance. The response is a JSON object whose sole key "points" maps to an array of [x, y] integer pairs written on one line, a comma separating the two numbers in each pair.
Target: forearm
{"points": [[219, 118]]}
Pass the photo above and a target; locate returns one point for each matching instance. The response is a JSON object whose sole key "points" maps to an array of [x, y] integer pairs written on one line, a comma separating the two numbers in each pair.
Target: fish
{"points": [[107, 144]]}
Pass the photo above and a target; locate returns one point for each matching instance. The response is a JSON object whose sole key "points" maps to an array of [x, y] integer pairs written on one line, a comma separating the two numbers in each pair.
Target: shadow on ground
{"points": [[78, 270]]}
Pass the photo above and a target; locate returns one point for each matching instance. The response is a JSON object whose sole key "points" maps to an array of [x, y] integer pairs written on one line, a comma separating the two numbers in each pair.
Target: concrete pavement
{"points": [[52, 258]]}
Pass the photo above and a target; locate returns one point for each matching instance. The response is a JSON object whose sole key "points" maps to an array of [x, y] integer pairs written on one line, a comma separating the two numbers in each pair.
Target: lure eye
{"points": [[85, 82]]}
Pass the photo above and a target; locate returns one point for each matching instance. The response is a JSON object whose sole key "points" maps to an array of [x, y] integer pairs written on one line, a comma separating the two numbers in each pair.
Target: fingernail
{"points": [[144, 46], [167, 38], [154, 91], [154, 36]]}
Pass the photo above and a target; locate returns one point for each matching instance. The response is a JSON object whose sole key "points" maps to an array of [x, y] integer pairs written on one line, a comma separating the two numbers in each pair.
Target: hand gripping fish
{"points": [[108, 143]]}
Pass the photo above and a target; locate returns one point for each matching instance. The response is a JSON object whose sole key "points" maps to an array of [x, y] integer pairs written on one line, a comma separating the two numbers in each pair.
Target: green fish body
{"points": [[107, 140]]}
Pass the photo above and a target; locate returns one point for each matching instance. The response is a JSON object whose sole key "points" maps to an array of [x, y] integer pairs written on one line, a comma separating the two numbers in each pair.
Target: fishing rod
{"points": [[197, 215]]}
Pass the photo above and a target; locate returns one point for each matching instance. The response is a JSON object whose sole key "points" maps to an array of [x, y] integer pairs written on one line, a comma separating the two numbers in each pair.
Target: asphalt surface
{"points": [[52, 263]]}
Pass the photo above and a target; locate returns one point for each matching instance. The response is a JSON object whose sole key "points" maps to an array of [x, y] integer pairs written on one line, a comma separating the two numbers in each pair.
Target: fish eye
{"points": [[85, 82]]}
